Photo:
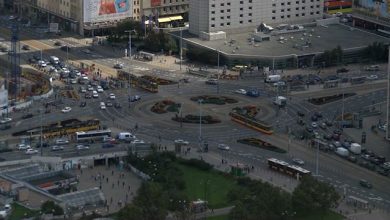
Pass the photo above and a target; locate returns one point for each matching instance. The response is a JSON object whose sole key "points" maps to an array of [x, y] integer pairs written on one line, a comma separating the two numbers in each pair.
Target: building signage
{"points": [[155, 3], [378, 8], [106, 10]]}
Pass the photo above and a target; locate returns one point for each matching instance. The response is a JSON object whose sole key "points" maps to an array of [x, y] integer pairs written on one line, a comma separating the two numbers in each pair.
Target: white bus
{"points": [[92, 135]]}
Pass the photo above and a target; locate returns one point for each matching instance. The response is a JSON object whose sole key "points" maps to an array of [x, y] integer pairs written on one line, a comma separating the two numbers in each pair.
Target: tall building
{"points": [[208, 16], [85, 17], [166, 11]]}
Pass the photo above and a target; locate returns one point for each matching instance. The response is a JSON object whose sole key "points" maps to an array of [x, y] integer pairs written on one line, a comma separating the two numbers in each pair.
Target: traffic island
{"points": [[249, 110], [195, 119], [261, 144], [217, 100], [159, 81], [165, 106], [327, 99]]}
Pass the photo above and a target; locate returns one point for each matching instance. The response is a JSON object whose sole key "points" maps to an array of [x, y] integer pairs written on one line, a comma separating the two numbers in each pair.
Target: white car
{"points": [[136, 141], [180, 141], [57, 148], [62, 141], [42, 63], [95, 94], [82, 147], [298, 161], [223, 147], [314, 124], [112, 96], [280, 83], [5, 120], [66, 109], [372, 77], [240, 91], [31, 151], [4, 212], [100, 89], [102, 105], [89, 88], [23, 146]]}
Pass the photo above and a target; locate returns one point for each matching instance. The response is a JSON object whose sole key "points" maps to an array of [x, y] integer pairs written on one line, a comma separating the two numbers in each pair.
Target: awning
{"points": [[169, 19]]}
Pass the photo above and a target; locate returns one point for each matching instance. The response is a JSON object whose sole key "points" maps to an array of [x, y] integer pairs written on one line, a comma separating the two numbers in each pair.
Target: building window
{"points": [[282, 17], [241, 9], [222, 4], [311, 13], [317, 12], [213, 25], [274, 5], [227, 10], [212, 12], [241, 15], [222, 18], [250, 21], [213, 5], [282, 10], [303, 14], [213, 19], [250, 7], [288, 3], [296, 15], [241, 22], [222, 24], [228, 17], [250, 14], [228, 24], [274, 11], [222, 11], [273, 18], [288, 16]]}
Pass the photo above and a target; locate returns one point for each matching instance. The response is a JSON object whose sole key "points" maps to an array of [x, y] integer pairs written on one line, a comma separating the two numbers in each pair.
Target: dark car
{"points": [[88, 96], [353, 159], [108, 145], [83, 104], [27, 116], [365, 184], [383, 172], [44, 144], [327, 137], [26, 47], [342, 70], [314, 118], [135, 98], [318, 114], [300, 122], [65, 48], [58, 43], [117, 105], [300, 114], [328, 123], [309, 129], [337, 132]]}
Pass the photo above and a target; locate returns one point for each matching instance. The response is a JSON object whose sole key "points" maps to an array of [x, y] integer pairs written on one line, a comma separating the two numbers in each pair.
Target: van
{"points": [[126, 136], [54, 60], [272, 79]]}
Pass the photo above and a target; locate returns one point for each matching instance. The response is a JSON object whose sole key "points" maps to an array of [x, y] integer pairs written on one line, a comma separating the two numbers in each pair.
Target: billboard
{"points": [[155, 3], [106, 10], [3, 97], [378, 8]]}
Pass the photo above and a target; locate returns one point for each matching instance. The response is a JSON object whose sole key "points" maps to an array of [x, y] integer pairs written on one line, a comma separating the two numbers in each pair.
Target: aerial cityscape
{"points": [[195, 109]]}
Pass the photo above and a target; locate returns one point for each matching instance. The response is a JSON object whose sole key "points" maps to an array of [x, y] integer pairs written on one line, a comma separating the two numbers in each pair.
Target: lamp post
{"points": [[181, 47], [200, 122], [130, 31], [129, 85], [218, 71], [40, 113]]}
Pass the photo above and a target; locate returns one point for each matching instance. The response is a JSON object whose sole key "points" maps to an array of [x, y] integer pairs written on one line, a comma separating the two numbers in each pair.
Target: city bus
{"points": [[285, 168], [91, 136]]}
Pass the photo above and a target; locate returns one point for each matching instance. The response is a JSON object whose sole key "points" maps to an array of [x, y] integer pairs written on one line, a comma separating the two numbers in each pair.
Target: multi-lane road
{"points": [[339, 172]]}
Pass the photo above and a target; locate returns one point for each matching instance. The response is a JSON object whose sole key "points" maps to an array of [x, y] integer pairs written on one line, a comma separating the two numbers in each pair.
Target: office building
{"points": [[213, 16]]}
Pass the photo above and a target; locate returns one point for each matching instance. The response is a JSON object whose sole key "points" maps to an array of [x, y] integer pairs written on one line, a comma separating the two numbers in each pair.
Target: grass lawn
{"points": [[210, 183], [328, 216], [219, 217], [18, 212]]}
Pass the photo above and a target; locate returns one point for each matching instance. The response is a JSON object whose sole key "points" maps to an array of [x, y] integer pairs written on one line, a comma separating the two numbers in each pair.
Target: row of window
{"points": [[228, 3], [170, 1], [297, 2], [296, 15], [228, 23], [297, 8], [229, 10]]}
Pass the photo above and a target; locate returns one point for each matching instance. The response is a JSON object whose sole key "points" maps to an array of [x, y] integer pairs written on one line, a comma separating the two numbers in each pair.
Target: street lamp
{"points": [[181, 47], [40, 137], [130, 31], [218, 71], [200, 122]]}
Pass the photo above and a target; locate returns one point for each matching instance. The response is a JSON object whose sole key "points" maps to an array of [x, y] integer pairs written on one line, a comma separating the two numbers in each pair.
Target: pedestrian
{"points": [[112, 173], [123, 184], [113, 185], [107, 179], [128, 188]]}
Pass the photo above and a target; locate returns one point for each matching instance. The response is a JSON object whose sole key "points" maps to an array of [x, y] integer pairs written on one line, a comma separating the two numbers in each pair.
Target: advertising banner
{"points": [[106, 10], [155, 3], [378, 8], [3, 98]]}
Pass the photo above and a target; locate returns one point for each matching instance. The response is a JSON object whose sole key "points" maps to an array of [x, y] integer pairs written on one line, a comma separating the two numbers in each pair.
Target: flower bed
{"points": [[165, 106], [217, 100], [195, 119]]}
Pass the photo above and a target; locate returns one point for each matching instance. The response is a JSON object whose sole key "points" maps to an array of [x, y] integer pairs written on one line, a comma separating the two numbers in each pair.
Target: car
{"points": [[383, 172], [328, 123], [95, 94], [223, 147], [212, 82], [5, 120], [365, 184], [42, 63], [25, 47], [314, 125], [181, 141], [372, 68], [61, 141], [82, 89], [31, 151], [327, 137], [89, 88], [309, 129], [57, 43], [298, 161], [109, 104], [365, 156], [66, 109], [26, 116], [337, 131], [318, 114], [300, 114], [102, 105], [323, 125], [342, 70], [100, 89], [44, 144], [5, 211], [301, 122], [109, 139], [136, 141], [88, 96], [352, 159], [372, 77], [86, 51], [135, 98], [280, 83], [57, 148], [118, 105], [314, 118], [112, 96], [240, 91], [118, 66], [23, 146], [253, 93], [83, 104], [108, 145], [82, 147]]}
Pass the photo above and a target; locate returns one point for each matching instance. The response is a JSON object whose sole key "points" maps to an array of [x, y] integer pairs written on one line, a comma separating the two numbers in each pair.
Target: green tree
{"points": [[152, 201], [312, 195], [131, 212], [50, 207]]}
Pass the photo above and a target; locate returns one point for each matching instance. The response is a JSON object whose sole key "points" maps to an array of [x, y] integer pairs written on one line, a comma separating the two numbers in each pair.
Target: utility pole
{"points": [[130, 31], [40, 113], [200, 122], [181, 47]]}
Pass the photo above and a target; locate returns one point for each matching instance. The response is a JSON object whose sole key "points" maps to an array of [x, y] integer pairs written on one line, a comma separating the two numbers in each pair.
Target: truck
{"points": [[355, 148], [342, 152], [54, 60], [280, 101], [272, 79]]}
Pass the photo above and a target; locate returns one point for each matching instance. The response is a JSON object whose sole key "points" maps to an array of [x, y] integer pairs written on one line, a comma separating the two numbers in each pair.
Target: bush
{"points": [[200, 164]]}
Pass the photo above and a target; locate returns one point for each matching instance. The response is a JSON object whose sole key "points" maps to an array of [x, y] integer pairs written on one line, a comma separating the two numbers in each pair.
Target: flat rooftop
{"points": [[321, 38]]}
